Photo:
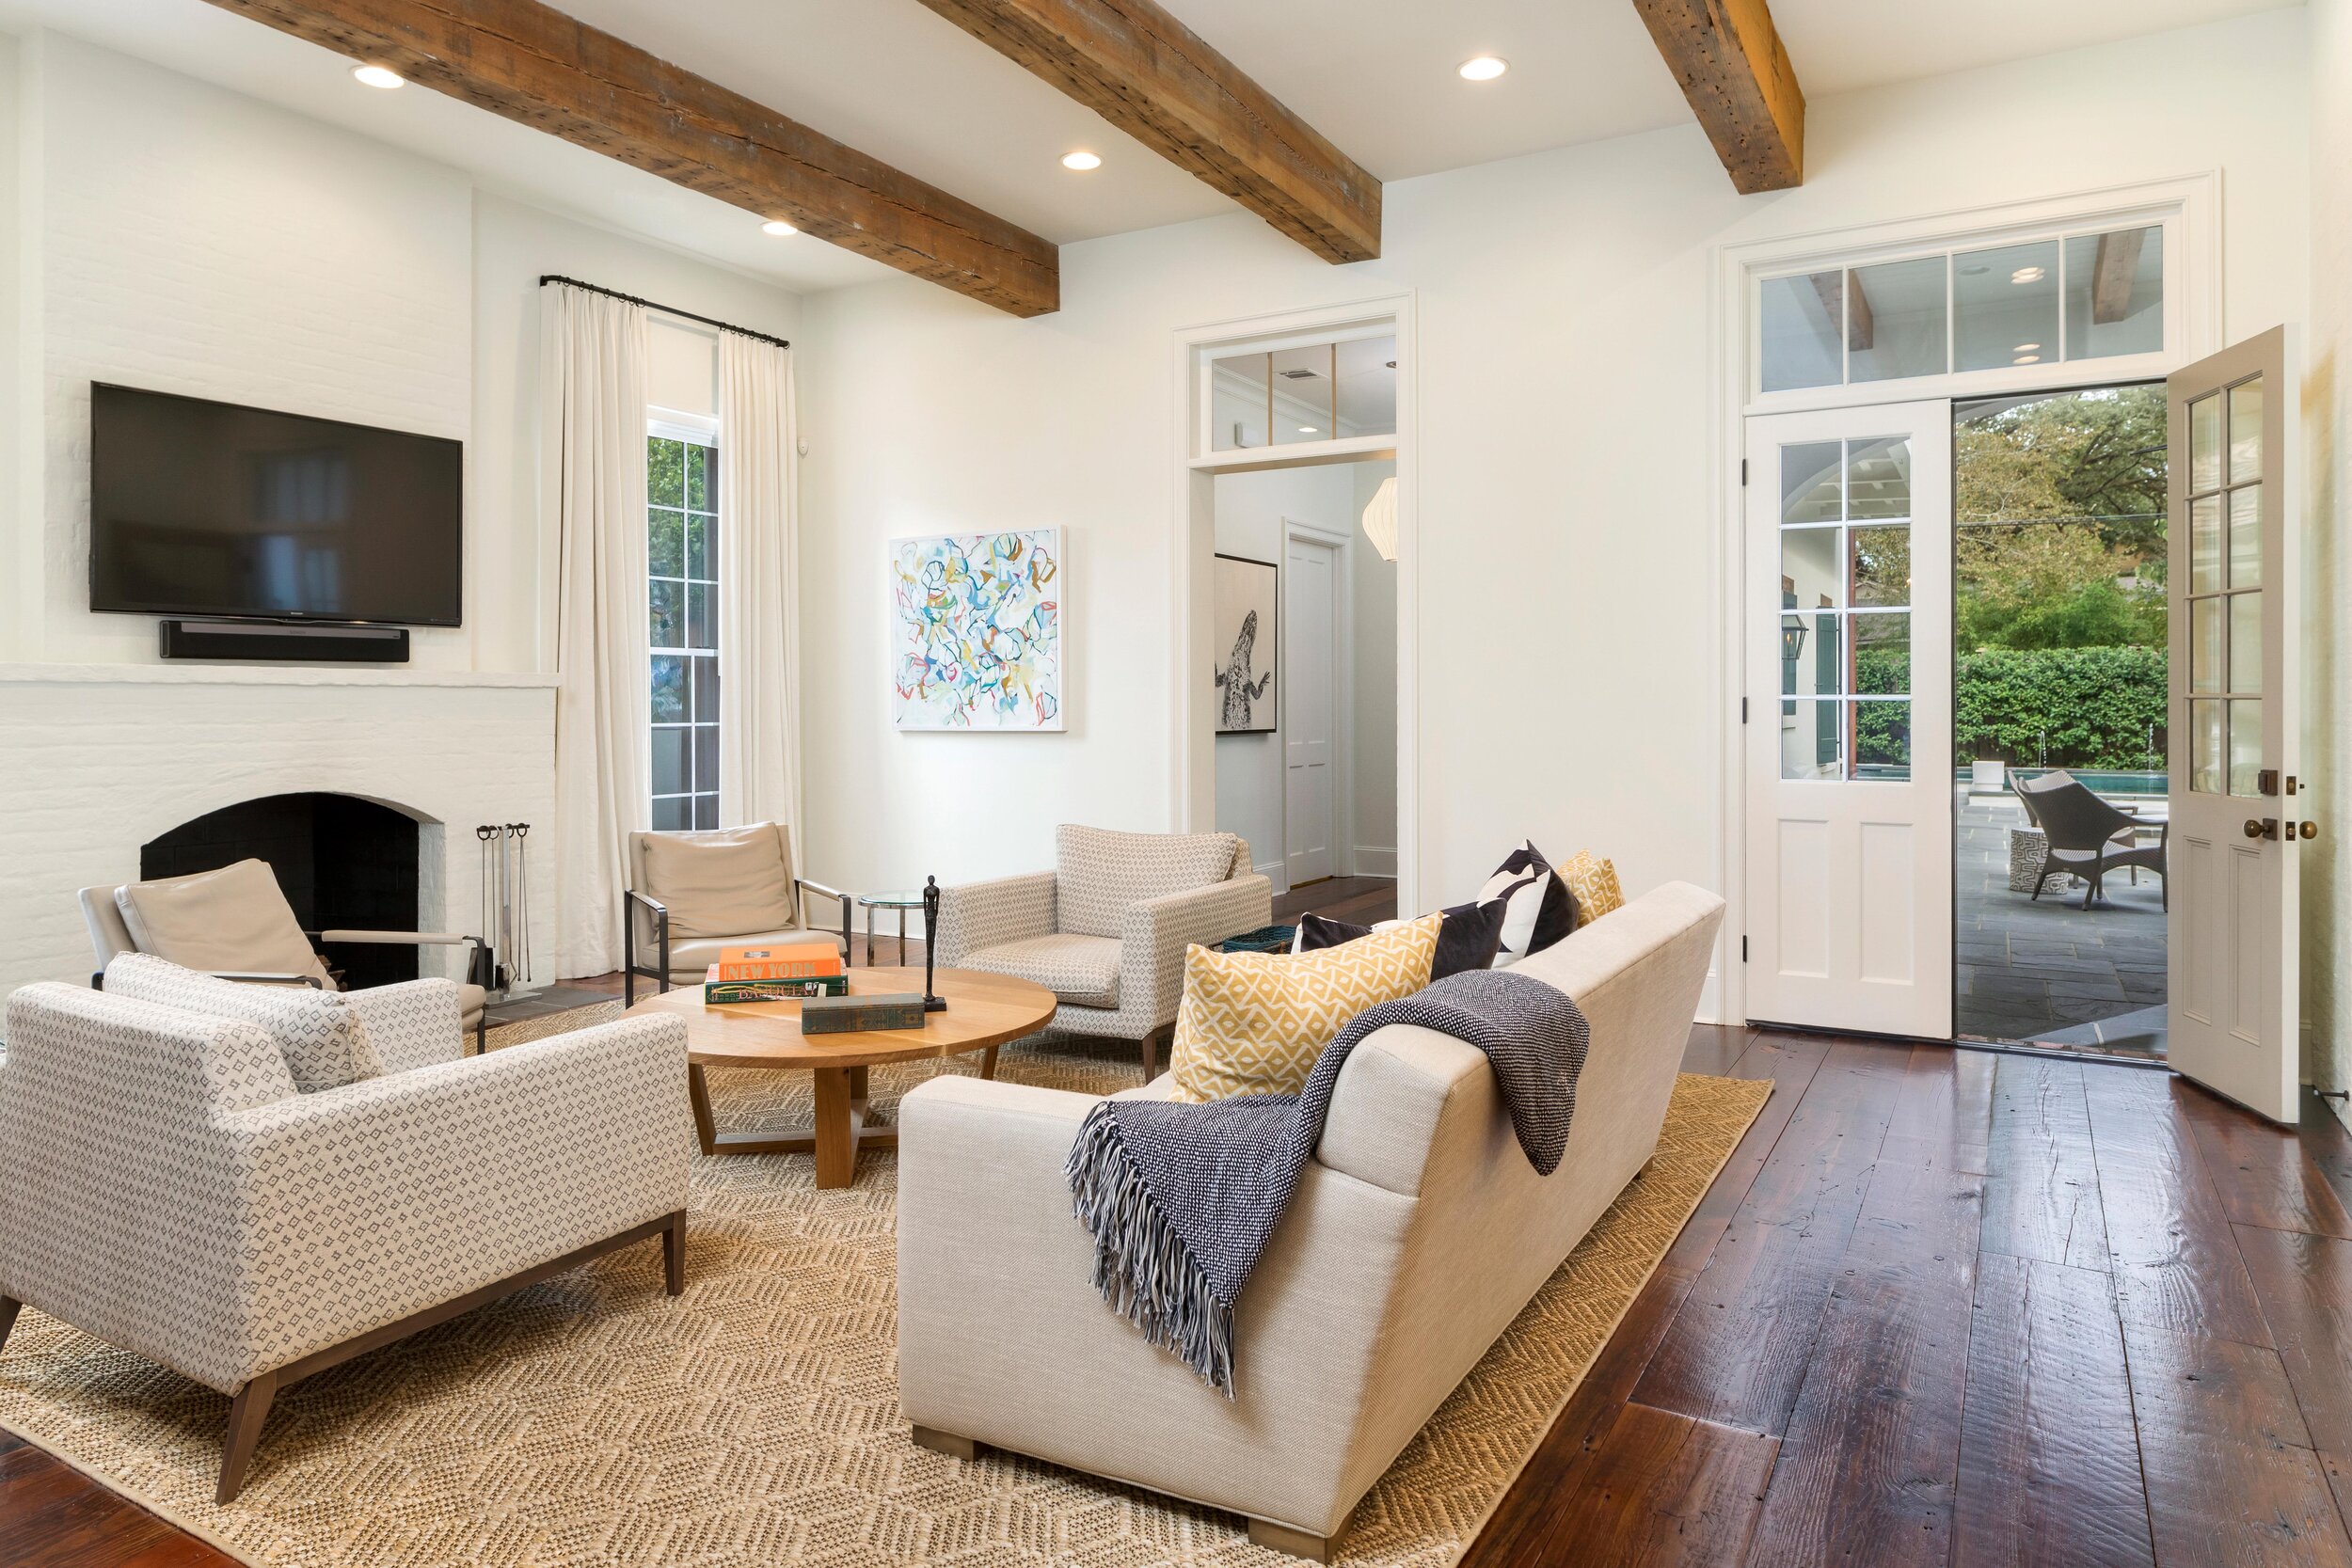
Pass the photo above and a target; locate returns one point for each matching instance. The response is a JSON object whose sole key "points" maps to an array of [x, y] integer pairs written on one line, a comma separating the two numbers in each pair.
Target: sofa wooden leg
{"points": [[10, 1307], [247, 1412], [947, 1442], [1296, 1542], [673, 1255], [1164, 1035]]}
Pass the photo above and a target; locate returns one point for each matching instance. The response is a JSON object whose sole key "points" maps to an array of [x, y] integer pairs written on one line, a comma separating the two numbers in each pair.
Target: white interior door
{"points": [[2233, 857], [1849, 718], [1310, 707]]}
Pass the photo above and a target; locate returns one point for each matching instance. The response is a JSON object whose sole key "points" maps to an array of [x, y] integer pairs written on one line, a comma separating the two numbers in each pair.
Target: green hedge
{"points": [[2093, 706]]}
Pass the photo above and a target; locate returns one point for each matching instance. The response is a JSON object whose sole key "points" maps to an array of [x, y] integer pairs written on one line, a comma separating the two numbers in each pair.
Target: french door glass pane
{"points": [[1810, 659], [1812, 740], [1882, 655], [1878, 479], [2204, 544], [2204, 444], [1808, 567], [1894, 320], [2205, 646], [2205, 748], [1882, 566], [2246, 749], [1811, 483], [2246, 537], [2246, 431], [2005, 306], [2115, 294], [1801, 318], [2246, 642], [1881, 733]]}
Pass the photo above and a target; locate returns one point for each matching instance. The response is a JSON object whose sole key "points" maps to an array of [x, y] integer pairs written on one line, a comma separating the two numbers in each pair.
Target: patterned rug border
{"points": [[1507, 1478]]}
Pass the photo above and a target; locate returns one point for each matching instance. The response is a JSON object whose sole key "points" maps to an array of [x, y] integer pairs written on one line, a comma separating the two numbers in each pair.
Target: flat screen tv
{"points": [[211, 509]]}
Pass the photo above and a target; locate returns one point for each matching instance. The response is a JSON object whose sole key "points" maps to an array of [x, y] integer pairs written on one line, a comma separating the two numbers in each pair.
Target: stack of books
{"points": [[784, 972]]}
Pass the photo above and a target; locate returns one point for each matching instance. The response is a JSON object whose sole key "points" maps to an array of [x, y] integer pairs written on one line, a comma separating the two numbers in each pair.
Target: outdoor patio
{"points": [[2051, 972]]}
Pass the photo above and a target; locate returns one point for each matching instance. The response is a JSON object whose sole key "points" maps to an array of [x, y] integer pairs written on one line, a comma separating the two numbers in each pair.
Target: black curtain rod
{"points": [[546, 278]]}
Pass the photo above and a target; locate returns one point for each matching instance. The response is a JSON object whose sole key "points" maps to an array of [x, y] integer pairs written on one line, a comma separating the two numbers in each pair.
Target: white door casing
{"points": [[1848, 549], [1310, 707], [2237, 794]]}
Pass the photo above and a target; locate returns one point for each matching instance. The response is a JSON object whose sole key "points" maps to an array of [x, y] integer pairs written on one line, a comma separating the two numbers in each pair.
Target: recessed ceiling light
{"points": [[1081, 161], [778, 227], [2029, 359], [2027, 275], [2028, 348], [1306, 430], [1486, 67], [377, 76]]}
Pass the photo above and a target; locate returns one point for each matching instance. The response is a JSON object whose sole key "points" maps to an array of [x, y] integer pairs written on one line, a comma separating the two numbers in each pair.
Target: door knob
{"points": [[2266, 827], [2310, 829]]}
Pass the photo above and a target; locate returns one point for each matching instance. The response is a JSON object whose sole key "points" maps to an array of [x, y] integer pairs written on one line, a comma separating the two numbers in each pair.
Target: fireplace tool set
{"points": [[506, 964]]}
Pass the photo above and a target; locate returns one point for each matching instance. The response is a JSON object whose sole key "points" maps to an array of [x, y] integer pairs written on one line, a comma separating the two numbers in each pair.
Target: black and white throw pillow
{"points": [[1541, 909], [1468, 936]]}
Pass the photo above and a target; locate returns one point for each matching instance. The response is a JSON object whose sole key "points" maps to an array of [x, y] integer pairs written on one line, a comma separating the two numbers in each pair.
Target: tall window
{"points": [[682, 598]]}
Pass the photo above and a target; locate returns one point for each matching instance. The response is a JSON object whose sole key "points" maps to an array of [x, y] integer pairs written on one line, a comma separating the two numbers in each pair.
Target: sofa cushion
{"points": [[1541, 910], [691, 959], [1099, 873], [1254, 1023], [727, 883], [1469, 937], [235, 918], [1593, 886], [319, 1033], [1081, 971]]}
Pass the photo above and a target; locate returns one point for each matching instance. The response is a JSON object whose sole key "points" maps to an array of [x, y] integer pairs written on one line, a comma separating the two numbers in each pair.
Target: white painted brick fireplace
{"points": [[96, 760]]}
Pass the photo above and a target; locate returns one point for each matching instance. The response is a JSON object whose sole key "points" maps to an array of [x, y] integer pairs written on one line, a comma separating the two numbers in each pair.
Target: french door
{"points": [[1848, 589], [2237, 808]]}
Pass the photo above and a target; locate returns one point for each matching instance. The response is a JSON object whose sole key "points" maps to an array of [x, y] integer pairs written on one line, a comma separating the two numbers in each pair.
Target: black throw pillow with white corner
{"points": [[1540, 908], [1468, 936]]}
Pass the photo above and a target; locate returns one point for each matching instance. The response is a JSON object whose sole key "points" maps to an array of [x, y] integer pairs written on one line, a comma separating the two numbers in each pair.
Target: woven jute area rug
{"points": [[591, 1419]]}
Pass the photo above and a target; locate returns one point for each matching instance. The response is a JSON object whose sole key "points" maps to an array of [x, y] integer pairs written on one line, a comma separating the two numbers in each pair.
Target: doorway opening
{"points": [[2060, 831], [1303, 635]]}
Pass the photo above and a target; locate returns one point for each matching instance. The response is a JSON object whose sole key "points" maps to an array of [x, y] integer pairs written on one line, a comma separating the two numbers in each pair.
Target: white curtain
{"points": [[759, 578], [592, 499]]}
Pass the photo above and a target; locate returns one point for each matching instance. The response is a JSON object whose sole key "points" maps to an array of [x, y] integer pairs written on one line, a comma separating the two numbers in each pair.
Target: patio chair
{"points": [[2085, 836]]}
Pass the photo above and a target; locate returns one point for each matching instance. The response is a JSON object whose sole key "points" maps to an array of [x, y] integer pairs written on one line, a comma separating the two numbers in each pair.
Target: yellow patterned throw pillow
{"points": [[1254, 1023], [1592, 883]]}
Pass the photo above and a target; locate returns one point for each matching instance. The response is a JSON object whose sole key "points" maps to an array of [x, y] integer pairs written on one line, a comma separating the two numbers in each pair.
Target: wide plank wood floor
{"points": [[1942, 1307]]}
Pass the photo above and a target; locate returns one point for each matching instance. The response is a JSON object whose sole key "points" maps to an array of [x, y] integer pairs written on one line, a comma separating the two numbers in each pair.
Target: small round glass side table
{"points": [[901, 901]]}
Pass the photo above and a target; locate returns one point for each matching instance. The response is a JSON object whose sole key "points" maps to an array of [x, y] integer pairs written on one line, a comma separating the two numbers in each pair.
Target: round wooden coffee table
{"points": [[983, 1012]]}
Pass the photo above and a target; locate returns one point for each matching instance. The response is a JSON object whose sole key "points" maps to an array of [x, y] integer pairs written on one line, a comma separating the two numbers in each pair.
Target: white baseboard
{"points": [[1277, 872], [1373, 859]]}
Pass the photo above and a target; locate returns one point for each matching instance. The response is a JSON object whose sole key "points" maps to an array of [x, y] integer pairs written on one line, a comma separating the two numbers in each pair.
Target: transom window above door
{"points": [[2059, 298], [1328, 392]]}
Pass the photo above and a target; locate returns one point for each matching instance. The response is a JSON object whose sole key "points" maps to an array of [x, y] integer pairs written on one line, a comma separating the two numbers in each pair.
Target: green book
{"points": [[717, 992]]}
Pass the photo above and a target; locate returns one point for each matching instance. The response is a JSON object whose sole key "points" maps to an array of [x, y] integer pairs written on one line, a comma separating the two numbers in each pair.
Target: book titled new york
{"points": [[796, 961], [717, 991], [850, 1015]]}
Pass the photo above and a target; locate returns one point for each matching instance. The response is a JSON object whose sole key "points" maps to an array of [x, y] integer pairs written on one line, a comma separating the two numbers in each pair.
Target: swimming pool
{"points": [[2099, 781]]}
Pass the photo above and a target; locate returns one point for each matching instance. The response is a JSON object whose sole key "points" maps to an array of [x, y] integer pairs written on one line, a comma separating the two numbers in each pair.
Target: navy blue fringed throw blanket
{"points": [[1181, 1199]]}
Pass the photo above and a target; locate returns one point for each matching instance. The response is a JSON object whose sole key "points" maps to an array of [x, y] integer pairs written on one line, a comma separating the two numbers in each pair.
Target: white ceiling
{"points": [[893, 79]]}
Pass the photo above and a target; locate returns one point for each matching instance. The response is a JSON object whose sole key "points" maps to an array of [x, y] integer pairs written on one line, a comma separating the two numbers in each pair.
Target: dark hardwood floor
{"points": [[1942, 1307]]}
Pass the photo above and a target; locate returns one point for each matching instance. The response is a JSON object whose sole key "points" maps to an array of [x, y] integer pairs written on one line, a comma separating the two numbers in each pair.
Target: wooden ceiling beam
{"points": [[1727, 57], [2113, 272], [534, 65], [1154, 78]]}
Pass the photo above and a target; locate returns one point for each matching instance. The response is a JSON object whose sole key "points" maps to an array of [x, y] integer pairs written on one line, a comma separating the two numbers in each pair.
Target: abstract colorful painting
{"points": [[977, 631]]}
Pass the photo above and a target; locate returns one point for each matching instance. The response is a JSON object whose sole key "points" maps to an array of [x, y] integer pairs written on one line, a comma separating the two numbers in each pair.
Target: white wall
{"points": [[1569, 652], [2327, 561], [1375, 718]]}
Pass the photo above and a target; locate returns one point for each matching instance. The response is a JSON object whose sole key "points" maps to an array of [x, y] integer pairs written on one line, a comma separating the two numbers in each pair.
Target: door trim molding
{"points": [[2190, 203]]}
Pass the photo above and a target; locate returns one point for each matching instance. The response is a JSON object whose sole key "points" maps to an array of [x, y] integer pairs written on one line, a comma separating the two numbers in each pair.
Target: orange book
{"points": [[792, 961]]}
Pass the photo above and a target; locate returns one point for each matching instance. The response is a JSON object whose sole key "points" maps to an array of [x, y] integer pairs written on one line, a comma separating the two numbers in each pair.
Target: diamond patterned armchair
{"points": [[1105, 930], [170, 1186]]}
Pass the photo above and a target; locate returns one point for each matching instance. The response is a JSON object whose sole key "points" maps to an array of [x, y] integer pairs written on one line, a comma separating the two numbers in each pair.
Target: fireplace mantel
{"points": [[265, 674]]}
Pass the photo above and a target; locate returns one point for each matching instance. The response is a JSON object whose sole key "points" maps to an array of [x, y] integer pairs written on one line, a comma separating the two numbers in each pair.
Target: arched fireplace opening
{"points": [[343, 862]]}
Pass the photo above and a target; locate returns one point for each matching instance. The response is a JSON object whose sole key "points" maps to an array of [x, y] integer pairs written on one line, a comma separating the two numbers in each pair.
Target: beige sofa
{"points": [[1418, 1232]]}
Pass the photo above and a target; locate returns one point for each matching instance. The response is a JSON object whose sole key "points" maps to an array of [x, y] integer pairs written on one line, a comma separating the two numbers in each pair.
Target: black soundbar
{"points": [[267, 641]]}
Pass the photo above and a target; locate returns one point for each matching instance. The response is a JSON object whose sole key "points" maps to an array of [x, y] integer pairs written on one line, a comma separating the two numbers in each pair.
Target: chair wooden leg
{"points": [[1296, 1542], [10, 1307], [673, 1255], [246, 1412], [1151, 1049]]}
